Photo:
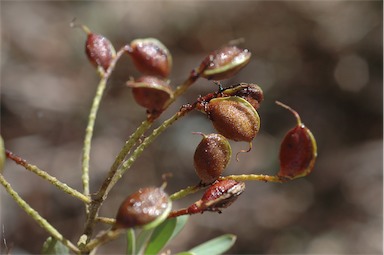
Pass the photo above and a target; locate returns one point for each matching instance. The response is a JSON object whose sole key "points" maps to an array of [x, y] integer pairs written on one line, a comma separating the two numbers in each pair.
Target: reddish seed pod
{"points": [[144, 207], [218, 196], [234, 117], [99, 50], [249, 91], [298, 151], [211, 157], [151, 92], [151, 57], [225, 62]]}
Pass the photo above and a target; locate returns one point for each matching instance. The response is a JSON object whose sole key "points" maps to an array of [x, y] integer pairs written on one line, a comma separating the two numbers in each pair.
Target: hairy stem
{"points": [[254, 177], [53, 180], [185, 192], [91, 120], [36, 216]]}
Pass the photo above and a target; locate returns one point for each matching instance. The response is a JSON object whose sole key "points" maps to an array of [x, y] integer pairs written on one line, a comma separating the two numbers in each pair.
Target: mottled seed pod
{"points": [[151, 92], [225, 62], [249, 91], [151, 57], [211, 157], [298, 150], [234, 117], [218, 196], [145, 208], [99, 50]]}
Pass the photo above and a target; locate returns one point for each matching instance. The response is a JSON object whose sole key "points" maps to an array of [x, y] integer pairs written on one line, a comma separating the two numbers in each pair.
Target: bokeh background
{"points": [[323, 58]]}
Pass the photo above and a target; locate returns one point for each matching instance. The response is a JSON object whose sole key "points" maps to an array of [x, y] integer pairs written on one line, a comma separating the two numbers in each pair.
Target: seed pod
{"points": [[151, 57], [234, 118], [298, 151], [151, 92], [249, 91], [218, 196], [211, 157], [99, 50], [147, 207], [225, 62]]}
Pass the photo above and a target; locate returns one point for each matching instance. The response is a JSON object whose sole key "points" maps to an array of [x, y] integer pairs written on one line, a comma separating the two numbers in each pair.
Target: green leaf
{"points": [[53, 246], [164, 233], [215, 246], [185, 253], [131, 242], [142, 240]]}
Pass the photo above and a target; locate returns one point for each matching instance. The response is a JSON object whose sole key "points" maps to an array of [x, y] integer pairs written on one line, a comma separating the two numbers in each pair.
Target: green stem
{"points": [[254, 177], [91, 120], [185, 192], [147, 141], [53, 180], [105, 237], [36, 216]]}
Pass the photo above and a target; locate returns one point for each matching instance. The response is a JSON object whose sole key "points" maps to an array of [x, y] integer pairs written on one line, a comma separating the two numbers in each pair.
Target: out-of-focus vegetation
{"points": [[322, 58]]}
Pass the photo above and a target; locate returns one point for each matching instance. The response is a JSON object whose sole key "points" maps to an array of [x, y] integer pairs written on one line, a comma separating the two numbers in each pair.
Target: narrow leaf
{"points": [[164, 233], [131, 242], [215, 246], [53, 246]]}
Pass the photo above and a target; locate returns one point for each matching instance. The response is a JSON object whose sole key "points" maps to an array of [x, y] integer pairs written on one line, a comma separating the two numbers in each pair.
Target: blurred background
{"points": [[324, 59]]}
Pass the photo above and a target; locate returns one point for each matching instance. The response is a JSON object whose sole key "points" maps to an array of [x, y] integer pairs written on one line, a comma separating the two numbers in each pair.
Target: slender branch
{"points": [[147, 141], [254, 177], [92, 117], [105, 220], [53, 180], [36, 216], [105, 237], [185, 192]]}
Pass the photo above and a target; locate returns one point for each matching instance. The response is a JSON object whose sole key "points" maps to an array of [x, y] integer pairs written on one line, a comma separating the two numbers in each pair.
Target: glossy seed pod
{"points": [[234, 117], [99, 50], [211, 157], [151, 57], [225, 62], [249, 91], [146, 208], [151, 92], [218, 196], [298, 150]]}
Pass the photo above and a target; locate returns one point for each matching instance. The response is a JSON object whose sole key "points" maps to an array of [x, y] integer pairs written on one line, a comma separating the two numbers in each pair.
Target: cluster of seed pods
{"points": [[232, 111]]}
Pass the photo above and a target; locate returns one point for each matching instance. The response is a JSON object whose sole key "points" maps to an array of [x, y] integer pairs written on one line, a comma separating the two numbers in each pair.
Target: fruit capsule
{"points": [[225, 62], [151, 92], [211, 157], [99, 50], [298, 150], [218, 196], [147, 207], [249, 91], [234, 117], [151, 57]]}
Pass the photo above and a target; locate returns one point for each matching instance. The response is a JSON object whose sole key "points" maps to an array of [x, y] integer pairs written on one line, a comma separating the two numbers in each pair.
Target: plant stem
{"points": [[36, 216], [107, 236], [147, 141], [185, 192], [254, 177], [92, 117], [53, 180]]}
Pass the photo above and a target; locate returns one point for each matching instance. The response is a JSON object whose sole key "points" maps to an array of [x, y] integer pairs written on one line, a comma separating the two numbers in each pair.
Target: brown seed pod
{"points": [[151, 92], [151, 57], [211, 157], [298, 150], [98, 49], [234, 117], [147, 206], [225, 62], [218, 196], [249, 91]]}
